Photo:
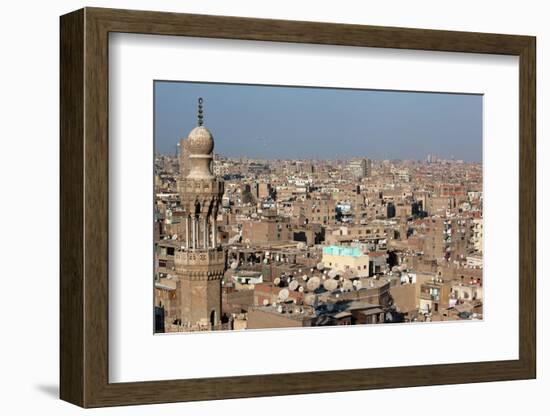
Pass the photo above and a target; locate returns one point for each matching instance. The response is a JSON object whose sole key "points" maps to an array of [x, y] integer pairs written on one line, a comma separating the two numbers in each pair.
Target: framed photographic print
{"points": [[255, 207]]}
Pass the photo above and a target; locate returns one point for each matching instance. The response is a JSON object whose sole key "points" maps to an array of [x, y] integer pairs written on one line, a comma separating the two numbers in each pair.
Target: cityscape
{"points": [[243, 242]]}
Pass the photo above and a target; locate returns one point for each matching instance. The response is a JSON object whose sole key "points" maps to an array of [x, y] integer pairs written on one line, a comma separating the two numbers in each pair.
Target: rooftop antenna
{"points": [[200, 112]]}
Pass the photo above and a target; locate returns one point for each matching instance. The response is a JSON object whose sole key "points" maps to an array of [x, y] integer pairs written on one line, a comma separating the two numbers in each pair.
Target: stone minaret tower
{"points": [[200, 261]]}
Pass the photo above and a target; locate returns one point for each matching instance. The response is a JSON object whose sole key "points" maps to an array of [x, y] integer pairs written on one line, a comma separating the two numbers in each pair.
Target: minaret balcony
{"points": [[199, 257], [191, 187]]}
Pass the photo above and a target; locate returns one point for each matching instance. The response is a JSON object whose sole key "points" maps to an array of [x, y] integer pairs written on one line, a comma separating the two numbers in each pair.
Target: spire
{"points": [[200, 115], [200, 144]]}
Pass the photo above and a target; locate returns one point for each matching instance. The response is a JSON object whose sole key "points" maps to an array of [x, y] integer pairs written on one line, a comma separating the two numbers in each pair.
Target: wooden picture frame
{"points": [[84, 207]]}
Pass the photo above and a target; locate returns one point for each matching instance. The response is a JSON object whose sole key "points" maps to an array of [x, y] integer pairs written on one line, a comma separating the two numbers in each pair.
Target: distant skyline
{"points": [[272, 122]]}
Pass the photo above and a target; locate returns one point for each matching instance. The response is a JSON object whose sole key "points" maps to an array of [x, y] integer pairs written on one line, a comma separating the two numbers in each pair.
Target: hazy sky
{"points": [[320, 123]]}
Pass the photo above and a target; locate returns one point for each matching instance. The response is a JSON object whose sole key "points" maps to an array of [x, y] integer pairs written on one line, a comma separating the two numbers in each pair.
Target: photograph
{"points": [[296, 206]]}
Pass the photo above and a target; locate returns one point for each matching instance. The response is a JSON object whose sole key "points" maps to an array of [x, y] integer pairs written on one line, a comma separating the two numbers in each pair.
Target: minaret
{"points": [[200, 261]]}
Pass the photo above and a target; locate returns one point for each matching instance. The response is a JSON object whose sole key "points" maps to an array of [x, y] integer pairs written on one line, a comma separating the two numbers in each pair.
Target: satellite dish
{"points": [[320, 266], [293, 285], [280, 309], [332, 274], [347, 285], [358, 284], [265, 261], [301, 289], [330, 284], [277, 281], [234, 265], [305, 277], [283, 294], [266, 302], [310, 299], [313, 283]]}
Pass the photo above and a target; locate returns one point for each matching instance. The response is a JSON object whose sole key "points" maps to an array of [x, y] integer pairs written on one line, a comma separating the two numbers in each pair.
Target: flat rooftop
{"points": [[342, 251]]}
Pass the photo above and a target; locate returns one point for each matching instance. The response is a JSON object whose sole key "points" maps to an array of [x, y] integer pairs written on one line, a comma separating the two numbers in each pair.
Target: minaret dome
{"points": [[201, 141]]}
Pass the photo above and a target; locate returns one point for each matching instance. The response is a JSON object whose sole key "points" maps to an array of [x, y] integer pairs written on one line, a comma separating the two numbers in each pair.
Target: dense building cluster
{"points": [[243, 243]]}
